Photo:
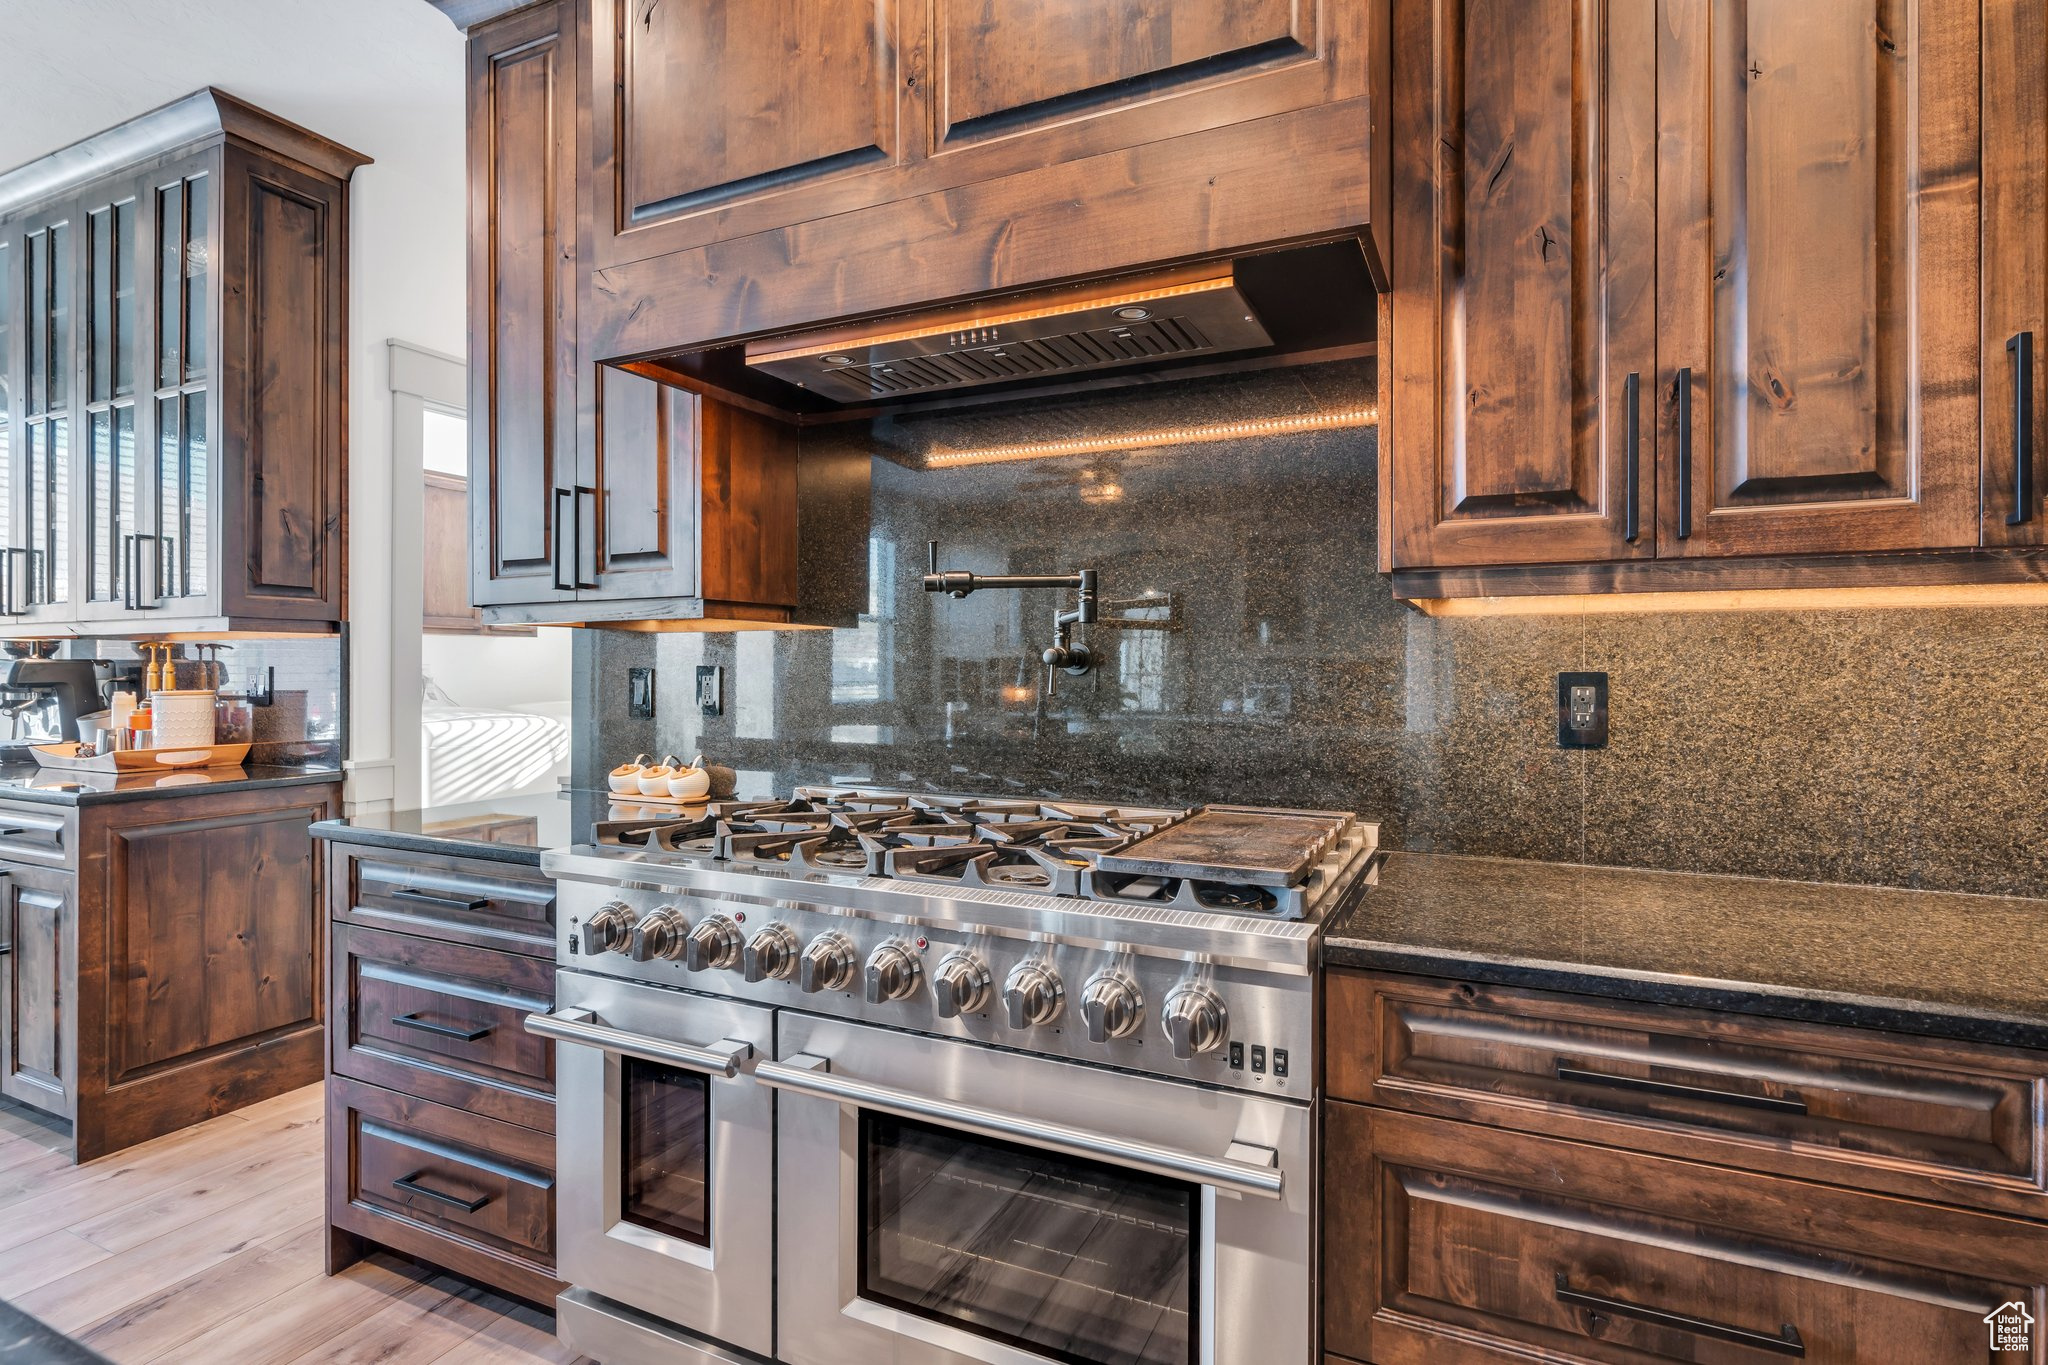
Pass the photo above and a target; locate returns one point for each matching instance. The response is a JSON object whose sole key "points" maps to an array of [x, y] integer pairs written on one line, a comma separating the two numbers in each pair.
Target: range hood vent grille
{"points": [[1049, 336]]}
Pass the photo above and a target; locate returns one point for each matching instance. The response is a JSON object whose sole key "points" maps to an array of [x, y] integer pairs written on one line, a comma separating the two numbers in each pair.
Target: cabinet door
{"points": [[38, 974], [638, 534], [174, 563], [2015, 52], [522, 290], [115, 226], [37, 583], [1524, 304], [750, 110], [1819, 276]]}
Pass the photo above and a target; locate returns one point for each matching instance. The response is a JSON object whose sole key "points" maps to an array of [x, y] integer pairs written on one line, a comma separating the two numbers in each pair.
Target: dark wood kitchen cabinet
{"points": [[160, 957], [1510, 1173], [175, 352], [1525, 295], [1814, 187], [440, 1106]]}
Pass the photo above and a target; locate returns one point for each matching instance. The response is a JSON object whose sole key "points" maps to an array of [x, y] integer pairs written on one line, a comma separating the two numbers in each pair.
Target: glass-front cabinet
{"points": [[172, 346]]}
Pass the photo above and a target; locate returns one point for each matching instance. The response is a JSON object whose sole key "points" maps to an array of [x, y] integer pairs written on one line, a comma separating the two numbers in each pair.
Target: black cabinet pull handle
{"points": [[467, 1035], [1632, 400], [1684, 453], [410, 1184], [1790, 1104], [2021, 349], [583, 491], [1787, 1342], [412, 893], [152, 600], [565, 532], [128, 572], [15, 582]]}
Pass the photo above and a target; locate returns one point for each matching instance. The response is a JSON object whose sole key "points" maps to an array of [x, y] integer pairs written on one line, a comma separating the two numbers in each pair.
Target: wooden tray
{"points": [[674, 802], [64, 758], [1233, 843]]}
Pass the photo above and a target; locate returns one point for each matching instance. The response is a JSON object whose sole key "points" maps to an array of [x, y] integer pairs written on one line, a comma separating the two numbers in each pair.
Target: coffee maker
{"points": [[42, 700]]}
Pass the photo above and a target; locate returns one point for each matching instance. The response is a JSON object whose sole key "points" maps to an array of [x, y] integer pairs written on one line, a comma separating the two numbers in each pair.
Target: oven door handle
{"points": [[580, 1026], [808, 1075]]}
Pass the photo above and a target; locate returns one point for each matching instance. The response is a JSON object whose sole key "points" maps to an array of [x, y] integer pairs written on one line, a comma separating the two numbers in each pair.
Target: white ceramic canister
{"points": [[181, 719]]}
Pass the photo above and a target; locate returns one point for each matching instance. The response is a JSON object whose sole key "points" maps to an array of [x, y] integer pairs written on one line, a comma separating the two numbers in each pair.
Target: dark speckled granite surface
{"points": [[1960, 966]]}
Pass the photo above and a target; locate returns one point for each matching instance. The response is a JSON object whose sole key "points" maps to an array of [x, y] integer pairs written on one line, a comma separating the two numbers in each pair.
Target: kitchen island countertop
{"points": [[1936, 963], [63, 787]]}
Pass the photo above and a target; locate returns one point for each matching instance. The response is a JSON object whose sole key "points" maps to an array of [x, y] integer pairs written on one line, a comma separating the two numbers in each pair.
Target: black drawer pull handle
{"points": [[467, 1035], [1684, 453], [2021, 348], [410, 1184], [1787, 1342], [1632, 400], [413, 893], [1790, 1104]]}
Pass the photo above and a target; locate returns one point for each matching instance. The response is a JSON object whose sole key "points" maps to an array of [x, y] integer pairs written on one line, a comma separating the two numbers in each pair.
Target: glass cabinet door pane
{"points": [[170, 485], [100, 548], [60, 315], [124, 489], [36, 315], [123, 278], [56, 574], [667, 1141], [1080, 1261], [195, 278], [99, 228], [8, 260], [170, 229], [188, 554]]}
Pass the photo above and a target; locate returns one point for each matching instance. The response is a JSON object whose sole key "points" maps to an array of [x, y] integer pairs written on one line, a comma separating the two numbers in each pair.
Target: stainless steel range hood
{"points": [[1179, 315]]}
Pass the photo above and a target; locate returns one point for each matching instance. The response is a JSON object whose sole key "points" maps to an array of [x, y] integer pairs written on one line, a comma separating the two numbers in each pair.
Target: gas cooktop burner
{"points": [[1066, 849]]}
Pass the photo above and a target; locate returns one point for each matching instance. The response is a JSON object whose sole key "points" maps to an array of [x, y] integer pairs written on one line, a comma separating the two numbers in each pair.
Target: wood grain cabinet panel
{"points": [[1950, 1122], [462, 900], [1449, 1243], [1006, 63], [523, 178], [2015, 373], [1524, 300], [39, 933], [1820, 212]]}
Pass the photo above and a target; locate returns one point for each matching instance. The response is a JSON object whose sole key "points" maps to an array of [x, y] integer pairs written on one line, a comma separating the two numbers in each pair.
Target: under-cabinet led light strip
{"points": [[1169, 436]]}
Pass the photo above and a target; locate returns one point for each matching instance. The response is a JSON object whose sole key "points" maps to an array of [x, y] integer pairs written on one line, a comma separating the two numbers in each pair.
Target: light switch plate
{"points": [[640, 693], [711, 689], [1582, 710]]}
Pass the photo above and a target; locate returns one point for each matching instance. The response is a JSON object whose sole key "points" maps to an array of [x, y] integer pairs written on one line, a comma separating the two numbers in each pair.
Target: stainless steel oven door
{"points": [[945, 1203], [665, 1154]]}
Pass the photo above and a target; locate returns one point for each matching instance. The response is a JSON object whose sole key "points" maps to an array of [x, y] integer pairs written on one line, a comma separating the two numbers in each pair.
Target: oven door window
{"points": [[667, 1140], [1076, 1260]]}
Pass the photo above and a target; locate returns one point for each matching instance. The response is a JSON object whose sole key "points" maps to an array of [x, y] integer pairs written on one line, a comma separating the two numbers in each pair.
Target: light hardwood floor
{"points": [[206, 1246]]}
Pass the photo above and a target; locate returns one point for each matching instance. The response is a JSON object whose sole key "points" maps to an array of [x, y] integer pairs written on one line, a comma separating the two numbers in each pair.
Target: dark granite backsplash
{"points": [[1903, 747]]}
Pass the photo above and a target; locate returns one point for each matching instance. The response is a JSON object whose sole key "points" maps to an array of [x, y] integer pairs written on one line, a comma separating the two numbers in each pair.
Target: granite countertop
{"points": [[1955, 966], [511, 830], [27, 782]]}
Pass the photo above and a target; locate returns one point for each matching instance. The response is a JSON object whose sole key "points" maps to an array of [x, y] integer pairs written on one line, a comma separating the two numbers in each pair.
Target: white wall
{"points": [[384, 77], [502, 672]]}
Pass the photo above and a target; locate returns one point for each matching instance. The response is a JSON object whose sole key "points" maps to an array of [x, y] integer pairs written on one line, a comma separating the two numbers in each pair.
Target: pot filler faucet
{"points": [[1064, 653]]}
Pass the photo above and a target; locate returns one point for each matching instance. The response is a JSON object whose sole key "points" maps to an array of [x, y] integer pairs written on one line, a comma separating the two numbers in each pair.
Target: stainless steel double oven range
{"points": [[869, 1077]]}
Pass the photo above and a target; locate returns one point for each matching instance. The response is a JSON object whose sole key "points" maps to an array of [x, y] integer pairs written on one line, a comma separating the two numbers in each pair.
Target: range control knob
{"points": [[961, 984], [1113, 1006], [892, 973], [1195, 1020], [608, 929], [771, 954], [827, 965], [1033, 995], [715, 942], [659, 935]]}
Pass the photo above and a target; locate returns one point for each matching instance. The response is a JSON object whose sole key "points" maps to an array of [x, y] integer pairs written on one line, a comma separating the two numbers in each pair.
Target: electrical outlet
{"points": [[1582, 710], [711, 689], [640, 693]]}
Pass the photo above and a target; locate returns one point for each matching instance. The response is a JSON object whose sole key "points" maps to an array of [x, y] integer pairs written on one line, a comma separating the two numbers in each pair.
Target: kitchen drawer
{"points": [[444, 1021], [1954, 1122], [463, 900], [453, 1188], [1450, 1243], [37, 834]]}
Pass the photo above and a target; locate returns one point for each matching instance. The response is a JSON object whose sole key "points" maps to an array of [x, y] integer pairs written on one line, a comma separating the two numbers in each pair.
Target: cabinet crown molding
{"points": [[205, 115]]}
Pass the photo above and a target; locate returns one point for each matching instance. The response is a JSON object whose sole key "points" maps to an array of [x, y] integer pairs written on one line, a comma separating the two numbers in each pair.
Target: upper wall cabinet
{"points": [[1525, 231], [173, 325], [1755, 299], [800, 110]]}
